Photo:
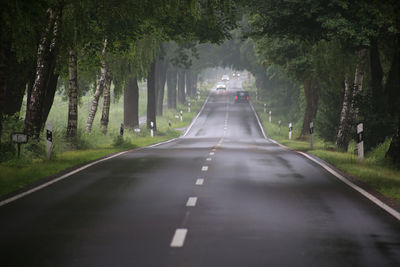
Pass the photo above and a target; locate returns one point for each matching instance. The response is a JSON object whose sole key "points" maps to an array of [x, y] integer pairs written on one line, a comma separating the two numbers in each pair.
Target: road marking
{"points": [[204, 168], [209, 159], [259, 122], [200, 181], [369, 196], [212, 153], [377, 201], [198, 114], [179, 238], [191, 202], [11, 199]]}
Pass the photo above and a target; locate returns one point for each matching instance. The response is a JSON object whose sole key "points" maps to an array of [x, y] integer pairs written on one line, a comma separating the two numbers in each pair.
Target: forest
{"points": [[334, 63]]}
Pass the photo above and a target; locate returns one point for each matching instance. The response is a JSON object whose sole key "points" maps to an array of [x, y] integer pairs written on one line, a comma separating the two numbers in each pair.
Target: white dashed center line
{"points": [[204, 168], [191, 202], [208, 159], [179, 238], [200, 181], [212, 153]]}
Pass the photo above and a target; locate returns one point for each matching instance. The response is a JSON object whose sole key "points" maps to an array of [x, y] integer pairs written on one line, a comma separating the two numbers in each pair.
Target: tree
{"points": [[45, 75], [151, 97]]}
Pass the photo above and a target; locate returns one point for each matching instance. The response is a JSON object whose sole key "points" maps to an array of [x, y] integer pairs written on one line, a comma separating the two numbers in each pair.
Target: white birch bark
{"points": [[349, 113], [72, 126], [99, 89], [106, 103]]}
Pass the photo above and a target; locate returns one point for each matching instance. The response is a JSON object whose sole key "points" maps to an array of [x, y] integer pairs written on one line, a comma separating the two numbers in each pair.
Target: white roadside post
{"points": [[265, 108], [256, 95], [270, 116], [181, 115], [188, 106], [198, 95], [360, 142], [279, 129], [311, 135], [152, 129], [290, 131], [49, 139]]}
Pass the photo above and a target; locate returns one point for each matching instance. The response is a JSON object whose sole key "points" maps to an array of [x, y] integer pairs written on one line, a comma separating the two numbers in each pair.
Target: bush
{"points": [[7, 151], [120, 142]]}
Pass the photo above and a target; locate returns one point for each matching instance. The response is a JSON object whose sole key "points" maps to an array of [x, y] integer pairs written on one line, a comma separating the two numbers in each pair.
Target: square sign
{"points": [[19, 138]]}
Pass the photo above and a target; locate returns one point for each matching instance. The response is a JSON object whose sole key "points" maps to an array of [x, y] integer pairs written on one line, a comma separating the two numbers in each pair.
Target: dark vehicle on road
{"points": [[242, 97]]}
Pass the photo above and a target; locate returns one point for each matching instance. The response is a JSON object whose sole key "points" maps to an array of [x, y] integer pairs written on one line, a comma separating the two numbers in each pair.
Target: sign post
{"points": [[312, 135], [360, 142], [290, 131], [270, 116], [181, 115], [49, 139], [152, 129], [19, 139]]}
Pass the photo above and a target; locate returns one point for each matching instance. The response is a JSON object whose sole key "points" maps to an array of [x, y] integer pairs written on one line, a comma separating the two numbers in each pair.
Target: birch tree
{"points": [[99, 89], [45, 55]]}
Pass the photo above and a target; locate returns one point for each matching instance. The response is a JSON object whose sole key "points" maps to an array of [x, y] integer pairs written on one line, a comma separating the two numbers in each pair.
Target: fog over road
{"points": [[221, 195]]}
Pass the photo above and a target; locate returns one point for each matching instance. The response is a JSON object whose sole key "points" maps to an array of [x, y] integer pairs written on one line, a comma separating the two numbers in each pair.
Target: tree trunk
{"points": [[99, 89], [2, 87], [312, 97], [131, 104], [151, 97], [72, 126], [194, 84], [189, 82], [171, 84], [394, 149], [181, 86], [392, 88], [161, 72], [51, 88], [17, 76], [105, 115], [349, 113], [45, 57]]}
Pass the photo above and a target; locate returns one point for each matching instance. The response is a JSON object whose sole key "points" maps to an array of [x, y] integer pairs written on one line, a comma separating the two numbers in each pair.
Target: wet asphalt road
{"points": [[235, 198]]}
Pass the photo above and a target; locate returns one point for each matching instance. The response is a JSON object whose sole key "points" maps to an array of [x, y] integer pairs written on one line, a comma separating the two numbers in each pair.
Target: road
{"points": [[222, 195]]}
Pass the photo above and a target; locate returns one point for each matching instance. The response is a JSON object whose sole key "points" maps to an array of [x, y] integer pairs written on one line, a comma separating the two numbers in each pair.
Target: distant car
{"points": [[242, 97], [225, 78], [221, 89]]}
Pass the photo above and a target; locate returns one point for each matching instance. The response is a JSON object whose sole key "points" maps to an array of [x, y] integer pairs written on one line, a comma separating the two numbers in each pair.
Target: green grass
{"points": [[31, 167], [375, 170]]}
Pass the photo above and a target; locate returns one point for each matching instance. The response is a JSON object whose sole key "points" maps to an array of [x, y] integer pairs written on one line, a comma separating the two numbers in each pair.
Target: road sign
{"points": [[19, 139]]}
